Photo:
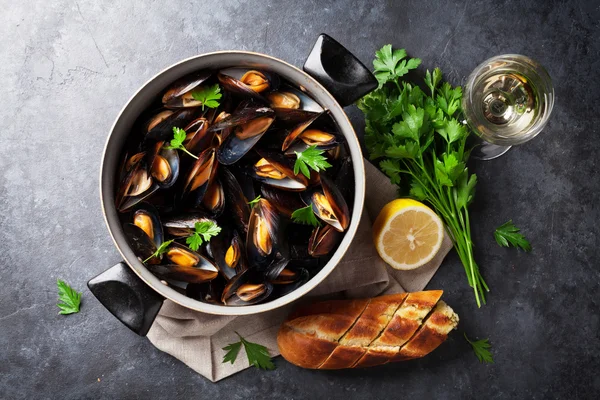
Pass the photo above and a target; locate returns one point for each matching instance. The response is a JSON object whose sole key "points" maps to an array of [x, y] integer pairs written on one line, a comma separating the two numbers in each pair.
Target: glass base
{"points": [[483, 150]]}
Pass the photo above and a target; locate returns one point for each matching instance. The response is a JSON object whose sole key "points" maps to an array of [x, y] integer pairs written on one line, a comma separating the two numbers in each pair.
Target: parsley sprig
{"points": [[257, 354], [420, 143], [306, 216], [161, 249], [311, 157], [69, 299], [208, 96], [481, 349], [176, 143], [508, 234], [203, 232], [251, 203]]}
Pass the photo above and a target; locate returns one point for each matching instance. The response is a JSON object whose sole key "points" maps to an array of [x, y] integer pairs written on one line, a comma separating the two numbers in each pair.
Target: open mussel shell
{"points": [[165, 167], [293, 106], [198, 137], [137, 184], [183, 225], [323, 240], [229, 253], [243, 81], [246, 288], [141, 244], [199, 177], [314, 137], [276, 170], [249, 125], [235, 200], [297, 130], [328, 204], [207, 292], [262, 240], [160, 126], [288, 280], [146, 217], [184, 85], [214, 198], [185, 265], [284, 201]]}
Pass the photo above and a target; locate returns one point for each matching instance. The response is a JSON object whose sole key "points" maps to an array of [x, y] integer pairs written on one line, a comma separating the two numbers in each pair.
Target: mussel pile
{"points": [[241, 148]]}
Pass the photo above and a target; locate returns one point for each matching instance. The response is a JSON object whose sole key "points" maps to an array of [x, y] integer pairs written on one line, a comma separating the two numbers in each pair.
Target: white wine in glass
{"points": [[507, 101]]}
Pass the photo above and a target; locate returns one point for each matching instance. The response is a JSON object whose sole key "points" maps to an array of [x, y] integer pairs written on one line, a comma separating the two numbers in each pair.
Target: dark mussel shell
{"points": [[165, 167], [207, 292], [140, 243], [160, 126], [137, 184], [235, 200], [198, 137], [246, 134], [284, 201], [229, 253], [323, 240], [183, 225], [197, 274], [246, 288], [146, 217], [235, 86], [297, 130], [184, 85], [242, 81], [214, 198], [293, 106], [288, 280], [329, 204], [314, 137], [264, 230], [199, 178], [275, 169]]}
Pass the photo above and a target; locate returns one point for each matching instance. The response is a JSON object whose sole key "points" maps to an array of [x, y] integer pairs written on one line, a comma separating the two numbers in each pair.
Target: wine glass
{"points": [[507, 101]]}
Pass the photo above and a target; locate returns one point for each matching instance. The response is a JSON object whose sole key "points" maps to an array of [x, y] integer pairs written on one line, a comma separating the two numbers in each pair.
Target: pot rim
{"points": [[196, 305]]}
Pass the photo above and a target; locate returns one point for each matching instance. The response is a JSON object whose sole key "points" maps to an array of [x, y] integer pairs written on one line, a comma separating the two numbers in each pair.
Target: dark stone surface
{"points": [[67, 69]]}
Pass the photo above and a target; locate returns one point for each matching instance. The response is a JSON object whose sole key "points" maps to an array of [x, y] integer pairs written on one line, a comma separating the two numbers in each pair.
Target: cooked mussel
{"points": [[229, 253], [235, 200], [198, 136], [208, 292], [183, 225], [214, 198], [293, 106], [137, 184], [288, 280], [249, 124], [199, 273], [182, 86], [141, 244], [329, 205], [164, 166], [145, 216], [244, 81], [248, 287], [323, 240], [275, 169], [263, 234], [160, 126], [287, 100], [200, 176], [284, 201], [295, 133]]}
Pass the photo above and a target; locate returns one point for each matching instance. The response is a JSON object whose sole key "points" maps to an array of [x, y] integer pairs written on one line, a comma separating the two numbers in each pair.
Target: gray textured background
{"points": [[66, 70]]}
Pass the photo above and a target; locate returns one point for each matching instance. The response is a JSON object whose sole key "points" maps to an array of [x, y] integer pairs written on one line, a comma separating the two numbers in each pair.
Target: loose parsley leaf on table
{"points": [[208, 96], [508, 234], [161, 249], [311, 157], [481, 349], [306, 216], [69, 299], [203, 231], [176, 143], [257, 354]]}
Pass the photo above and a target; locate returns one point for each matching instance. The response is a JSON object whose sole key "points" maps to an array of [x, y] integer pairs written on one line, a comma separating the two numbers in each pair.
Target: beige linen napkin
{"points": [[197, 339]]}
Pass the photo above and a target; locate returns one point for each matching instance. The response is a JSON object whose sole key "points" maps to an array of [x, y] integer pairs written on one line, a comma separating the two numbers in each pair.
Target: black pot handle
{"points": [[342, 74], [127, 297]]}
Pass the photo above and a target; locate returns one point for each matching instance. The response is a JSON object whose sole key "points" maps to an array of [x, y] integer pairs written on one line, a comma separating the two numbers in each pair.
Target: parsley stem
{"points": [[186, 150]]}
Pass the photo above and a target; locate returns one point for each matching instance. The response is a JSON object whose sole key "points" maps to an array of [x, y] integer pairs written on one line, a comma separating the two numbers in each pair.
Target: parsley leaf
{"points": [[390, 65], [251, 203], [480, 347], [392, 169], [257, 354], [203, 231], [176, 143], [306, 216], [161, 249], [208, 96], [311, 157], [508, 234], [68, 298]]}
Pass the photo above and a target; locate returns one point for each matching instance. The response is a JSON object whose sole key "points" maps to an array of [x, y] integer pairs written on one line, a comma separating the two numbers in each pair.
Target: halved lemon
{"points": [[407, 234]]}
